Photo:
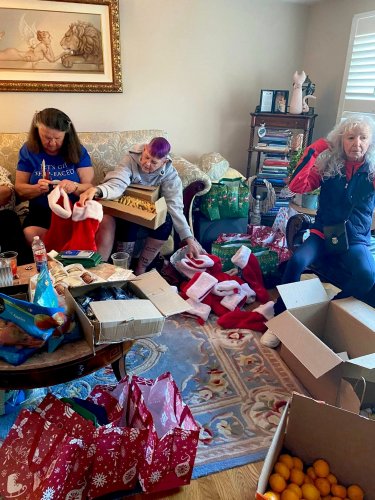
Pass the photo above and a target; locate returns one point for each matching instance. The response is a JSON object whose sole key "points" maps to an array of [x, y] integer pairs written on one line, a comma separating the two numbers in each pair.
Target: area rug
{"points": [[235, 387]]}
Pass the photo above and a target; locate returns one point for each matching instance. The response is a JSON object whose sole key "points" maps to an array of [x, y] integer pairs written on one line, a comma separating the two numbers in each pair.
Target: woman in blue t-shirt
{"points": [[52, 154]]}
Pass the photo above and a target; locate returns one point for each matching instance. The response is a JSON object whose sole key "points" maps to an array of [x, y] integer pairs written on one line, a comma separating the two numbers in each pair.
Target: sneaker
{"points": [[269, 339]]}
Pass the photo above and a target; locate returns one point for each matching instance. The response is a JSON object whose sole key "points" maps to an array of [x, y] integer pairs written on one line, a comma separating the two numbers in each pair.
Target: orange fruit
{"points": [[294, 487], [277, 482], [289, 495], [310, 492], [271, 495], [323, 485], [297, 476], [311, 473], [321, 468], [327, 497], [282, 469], [286, 459], [355, 492], [332, 478], [297, 463], [308, 480], [336, 498], [338, 490]]}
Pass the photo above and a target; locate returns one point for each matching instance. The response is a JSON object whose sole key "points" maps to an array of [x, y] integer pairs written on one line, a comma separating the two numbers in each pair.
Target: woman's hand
{"points": [[89, 194], [43, 186], [68, 186], [194, 248]]}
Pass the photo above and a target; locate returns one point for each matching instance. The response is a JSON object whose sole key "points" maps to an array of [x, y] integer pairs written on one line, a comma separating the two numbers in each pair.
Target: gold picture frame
{"points": [[60, 46]]}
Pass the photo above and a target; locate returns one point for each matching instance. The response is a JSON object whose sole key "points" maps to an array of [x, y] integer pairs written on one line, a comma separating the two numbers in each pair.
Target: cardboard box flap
{"points": [[363, 366], [359, 310], [154, 287], [273, 451], [120, 311], [303, 343], [316, 429], [303, 293]]}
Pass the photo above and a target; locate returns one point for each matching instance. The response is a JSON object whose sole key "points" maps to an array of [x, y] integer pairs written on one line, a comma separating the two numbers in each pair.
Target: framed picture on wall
{"points": [[60, 46], [266, 101], [280, 101]]}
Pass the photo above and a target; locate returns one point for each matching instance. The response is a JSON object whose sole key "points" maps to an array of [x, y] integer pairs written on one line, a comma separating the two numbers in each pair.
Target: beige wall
{"points": [[195, 68], [192, 67], [326, 47]]}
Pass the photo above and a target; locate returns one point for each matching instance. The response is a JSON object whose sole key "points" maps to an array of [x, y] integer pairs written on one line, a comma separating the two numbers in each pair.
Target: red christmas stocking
{"points": [[250, 320], [60, 230], [251, 272], [86, 220]]}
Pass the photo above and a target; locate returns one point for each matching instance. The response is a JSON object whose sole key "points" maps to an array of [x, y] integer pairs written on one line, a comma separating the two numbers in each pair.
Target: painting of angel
{"points": [[38, 43], [63, 42]]}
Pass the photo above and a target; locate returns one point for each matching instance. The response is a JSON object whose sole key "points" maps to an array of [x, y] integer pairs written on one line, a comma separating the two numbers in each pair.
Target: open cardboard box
{"points": [[148, 193], [120, 320], [310, 430], [136, 215], [324, 341]]}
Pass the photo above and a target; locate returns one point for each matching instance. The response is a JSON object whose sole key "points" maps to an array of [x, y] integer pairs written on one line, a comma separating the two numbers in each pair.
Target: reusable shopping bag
{"points": [[228, 198], [41, 460]]}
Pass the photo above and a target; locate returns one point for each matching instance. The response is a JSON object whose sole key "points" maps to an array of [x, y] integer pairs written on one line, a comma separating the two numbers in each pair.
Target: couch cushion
{"points": [[214, 165]]}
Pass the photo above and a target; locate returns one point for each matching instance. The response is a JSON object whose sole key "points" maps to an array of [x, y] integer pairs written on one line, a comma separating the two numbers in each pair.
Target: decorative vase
{"points": [[295, 107]]}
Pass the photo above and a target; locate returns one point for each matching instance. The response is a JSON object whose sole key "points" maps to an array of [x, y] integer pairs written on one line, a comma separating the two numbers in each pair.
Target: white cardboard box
{"points": [[310, 430], [120, 320], [324, 341]]}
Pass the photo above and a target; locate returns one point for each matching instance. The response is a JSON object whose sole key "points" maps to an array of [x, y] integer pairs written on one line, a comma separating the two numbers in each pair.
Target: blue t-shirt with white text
{"points": [[56, 168]]}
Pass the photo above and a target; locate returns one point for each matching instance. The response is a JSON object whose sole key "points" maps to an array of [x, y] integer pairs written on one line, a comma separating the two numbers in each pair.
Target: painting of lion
{"points": [[84, 42]]}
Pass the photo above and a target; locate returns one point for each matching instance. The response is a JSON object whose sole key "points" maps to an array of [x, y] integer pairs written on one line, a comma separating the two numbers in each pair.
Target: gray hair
{"points": [[332, 161]]}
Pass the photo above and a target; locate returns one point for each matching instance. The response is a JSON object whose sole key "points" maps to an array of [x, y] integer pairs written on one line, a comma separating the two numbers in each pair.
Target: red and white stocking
{"points": [[86, 220], [60, 230]]}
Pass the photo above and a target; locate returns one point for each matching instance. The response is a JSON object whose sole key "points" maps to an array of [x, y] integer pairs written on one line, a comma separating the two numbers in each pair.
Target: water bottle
{"points": [[39, 252]]}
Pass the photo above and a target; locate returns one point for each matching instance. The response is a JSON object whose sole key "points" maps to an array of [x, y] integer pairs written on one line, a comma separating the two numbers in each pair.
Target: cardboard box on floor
{"points": [[310, 430], [119, 320], [136, 215], [324, 341]]}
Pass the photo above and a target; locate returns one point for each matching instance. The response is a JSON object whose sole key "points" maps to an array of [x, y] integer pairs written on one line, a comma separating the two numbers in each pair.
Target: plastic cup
{"points": [[11, 258], [121, 259]]}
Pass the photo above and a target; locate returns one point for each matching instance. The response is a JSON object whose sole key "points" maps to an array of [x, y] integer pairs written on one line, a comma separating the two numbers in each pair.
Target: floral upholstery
{"points": [[106, 150]]}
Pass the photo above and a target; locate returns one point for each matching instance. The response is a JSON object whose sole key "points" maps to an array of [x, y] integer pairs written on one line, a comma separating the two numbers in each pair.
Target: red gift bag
{"points": [[117, 450], [172, 438], [40, 460]]}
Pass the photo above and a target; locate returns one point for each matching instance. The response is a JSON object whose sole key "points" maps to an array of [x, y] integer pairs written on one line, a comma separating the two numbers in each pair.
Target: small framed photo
{"points": [[266, 101], [280, 101]]}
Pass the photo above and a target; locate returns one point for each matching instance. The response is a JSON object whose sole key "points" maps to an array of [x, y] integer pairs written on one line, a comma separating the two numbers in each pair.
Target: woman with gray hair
{"points": [[343, 166]]}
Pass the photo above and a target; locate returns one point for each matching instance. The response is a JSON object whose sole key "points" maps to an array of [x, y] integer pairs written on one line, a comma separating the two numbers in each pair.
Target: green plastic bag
{"points": [[227, 199]]}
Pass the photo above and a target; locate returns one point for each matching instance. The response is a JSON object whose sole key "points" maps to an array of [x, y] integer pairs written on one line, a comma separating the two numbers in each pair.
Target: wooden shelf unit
{"points": [[303, 123]]}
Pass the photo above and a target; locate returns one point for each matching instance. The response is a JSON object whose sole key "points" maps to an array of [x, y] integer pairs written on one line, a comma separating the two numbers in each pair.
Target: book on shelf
{"points": [[274, 170], [271, 147], [274, 182], [275, 162], [271, 175]]}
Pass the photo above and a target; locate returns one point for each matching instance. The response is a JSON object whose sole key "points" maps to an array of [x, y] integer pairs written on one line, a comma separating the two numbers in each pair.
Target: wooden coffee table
{"points": [[68, 362]]}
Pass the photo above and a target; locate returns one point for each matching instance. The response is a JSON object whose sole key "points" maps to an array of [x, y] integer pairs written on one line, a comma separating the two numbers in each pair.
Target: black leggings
{"points": [[12, 237]]}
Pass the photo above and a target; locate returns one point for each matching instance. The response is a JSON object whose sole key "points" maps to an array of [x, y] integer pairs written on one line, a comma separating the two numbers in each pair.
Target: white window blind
{"points": [[358, 87]]}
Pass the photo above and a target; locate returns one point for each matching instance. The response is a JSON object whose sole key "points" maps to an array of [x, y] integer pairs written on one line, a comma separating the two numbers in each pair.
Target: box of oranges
{"points": [[319, 452]]}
